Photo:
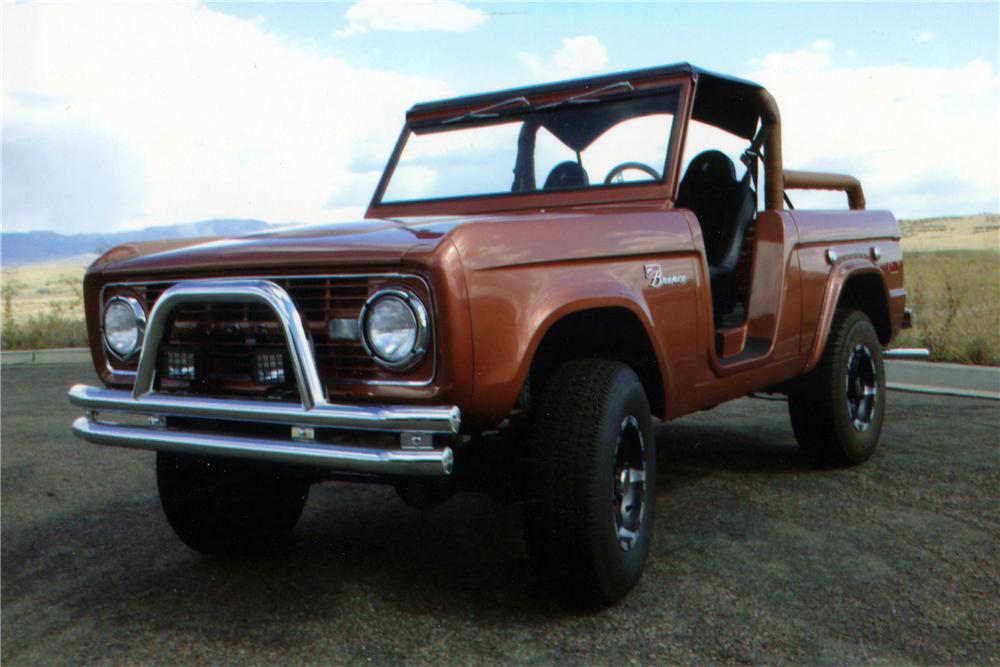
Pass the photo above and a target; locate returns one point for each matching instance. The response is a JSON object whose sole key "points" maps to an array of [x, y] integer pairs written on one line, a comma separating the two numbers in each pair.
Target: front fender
{"points": [[512, 317]]}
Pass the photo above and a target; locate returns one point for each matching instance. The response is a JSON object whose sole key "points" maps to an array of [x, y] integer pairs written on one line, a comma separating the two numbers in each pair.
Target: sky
{"points": [[120, 116]]}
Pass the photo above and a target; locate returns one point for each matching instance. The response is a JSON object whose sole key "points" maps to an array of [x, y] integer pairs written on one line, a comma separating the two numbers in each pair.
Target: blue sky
{"points": [[119, 116], [723, 36]]}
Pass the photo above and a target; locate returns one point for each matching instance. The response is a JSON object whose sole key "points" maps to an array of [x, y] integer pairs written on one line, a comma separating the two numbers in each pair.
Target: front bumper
{"points": [[415, 426]]}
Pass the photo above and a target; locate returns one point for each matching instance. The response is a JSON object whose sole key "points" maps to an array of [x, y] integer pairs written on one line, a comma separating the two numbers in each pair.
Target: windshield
{"points": [[513, 148]]}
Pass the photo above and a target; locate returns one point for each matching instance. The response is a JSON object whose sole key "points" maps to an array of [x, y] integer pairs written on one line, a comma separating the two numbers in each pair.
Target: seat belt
{"points": [[750, 159], [752, 155]]}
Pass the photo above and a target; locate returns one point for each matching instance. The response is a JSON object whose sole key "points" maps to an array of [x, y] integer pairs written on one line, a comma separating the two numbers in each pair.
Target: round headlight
{"points": [[394, 326], [124, 324]]}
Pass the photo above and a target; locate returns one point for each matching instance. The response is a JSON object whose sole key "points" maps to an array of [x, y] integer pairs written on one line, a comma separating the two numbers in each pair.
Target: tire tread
{"points": [[564, 473]]}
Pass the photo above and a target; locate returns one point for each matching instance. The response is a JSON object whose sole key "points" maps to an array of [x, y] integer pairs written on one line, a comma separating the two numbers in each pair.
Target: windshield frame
{"points": [[504, 201]]}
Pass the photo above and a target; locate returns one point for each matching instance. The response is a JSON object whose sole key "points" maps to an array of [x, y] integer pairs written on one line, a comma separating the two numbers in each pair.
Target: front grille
{"points": [[230, 338]]}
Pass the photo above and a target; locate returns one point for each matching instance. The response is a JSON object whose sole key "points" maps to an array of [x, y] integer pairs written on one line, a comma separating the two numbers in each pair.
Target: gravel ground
{"points": [[758, 558]]}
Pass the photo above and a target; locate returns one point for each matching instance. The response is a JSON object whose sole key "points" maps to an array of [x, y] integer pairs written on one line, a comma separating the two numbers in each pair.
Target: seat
{"points": [[567, 175], [725, 208]]}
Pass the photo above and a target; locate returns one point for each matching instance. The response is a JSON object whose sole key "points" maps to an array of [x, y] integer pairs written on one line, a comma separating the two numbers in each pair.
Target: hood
{"points": [[382, 242]]}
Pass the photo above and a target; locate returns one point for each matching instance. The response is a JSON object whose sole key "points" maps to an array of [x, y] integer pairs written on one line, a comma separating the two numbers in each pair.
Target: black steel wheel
{"points": [[861, 387], [629, 483]]}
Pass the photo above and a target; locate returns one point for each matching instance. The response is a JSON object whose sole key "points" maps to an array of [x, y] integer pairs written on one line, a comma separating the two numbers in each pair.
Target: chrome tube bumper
{"points": [[392, 418], [313, 412], [335, 457]]}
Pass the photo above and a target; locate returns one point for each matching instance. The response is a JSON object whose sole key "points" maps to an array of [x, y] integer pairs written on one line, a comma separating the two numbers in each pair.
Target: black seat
{"points": [[567, 175], [725, 208]]}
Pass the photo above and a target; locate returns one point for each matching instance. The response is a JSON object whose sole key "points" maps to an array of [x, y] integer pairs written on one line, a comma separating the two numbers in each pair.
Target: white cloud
{"points": [[924, 36], [923, 141], [576, 56], [130, 115], [442, 15], [822, 45], [802, 60]]}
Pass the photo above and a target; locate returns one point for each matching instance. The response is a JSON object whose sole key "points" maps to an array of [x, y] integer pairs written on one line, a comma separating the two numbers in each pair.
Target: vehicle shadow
{"points": [[357, 553], [356, 548], [691, 450]]}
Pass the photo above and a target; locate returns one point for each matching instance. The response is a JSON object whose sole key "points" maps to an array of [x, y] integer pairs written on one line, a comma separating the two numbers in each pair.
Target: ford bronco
{"points": [[541, 273]]}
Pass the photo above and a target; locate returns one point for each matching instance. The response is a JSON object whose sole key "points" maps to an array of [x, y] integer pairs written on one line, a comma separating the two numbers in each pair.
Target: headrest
{"points": [[567, 175], [711, 167]]}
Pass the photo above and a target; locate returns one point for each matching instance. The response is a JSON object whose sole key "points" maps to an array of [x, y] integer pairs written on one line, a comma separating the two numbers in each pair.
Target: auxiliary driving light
{"points": [[269, 368], [178, 364]]}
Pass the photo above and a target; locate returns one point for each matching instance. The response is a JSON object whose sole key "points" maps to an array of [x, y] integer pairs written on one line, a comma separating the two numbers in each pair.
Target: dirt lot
{"points": [[758, 558]]}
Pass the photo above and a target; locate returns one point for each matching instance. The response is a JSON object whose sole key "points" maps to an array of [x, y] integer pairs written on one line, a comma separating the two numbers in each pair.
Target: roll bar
{"points": [[818, 180], [778, 179]]}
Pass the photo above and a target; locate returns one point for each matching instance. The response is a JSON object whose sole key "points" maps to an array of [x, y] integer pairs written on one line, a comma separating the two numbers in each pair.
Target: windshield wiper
{"points": [[489, 111], [588, 97]]}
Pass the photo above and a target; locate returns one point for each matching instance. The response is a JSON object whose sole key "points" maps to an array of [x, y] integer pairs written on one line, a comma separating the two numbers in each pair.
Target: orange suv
{"points": [[541, 273]]}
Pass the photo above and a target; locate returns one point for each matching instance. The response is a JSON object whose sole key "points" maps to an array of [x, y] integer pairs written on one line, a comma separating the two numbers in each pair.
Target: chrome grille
{"points": [[227, 336]]}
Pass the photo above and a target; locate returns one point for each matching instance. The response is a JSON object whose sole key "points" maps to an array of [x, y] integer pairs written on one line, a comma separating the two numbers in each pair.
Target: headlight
{"points": [[124, 324], [394, 328]]}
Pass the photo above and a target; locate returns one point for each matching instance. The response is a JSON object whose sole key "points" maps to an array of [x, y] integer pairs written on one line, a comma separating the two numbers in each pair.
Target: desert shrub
{"points": [[45, 330], [58, 326]]}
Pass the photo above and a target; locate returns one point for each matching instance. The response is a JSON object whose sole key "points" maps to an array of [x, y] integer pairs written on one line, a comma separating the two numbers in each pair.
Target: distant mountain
{"points": [[19, 248]]}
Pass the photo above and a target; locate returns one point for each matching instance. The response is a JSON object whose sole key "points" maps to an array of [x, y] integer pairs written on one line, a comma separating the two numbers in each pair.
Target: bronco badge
{"points": [[654, 274]]}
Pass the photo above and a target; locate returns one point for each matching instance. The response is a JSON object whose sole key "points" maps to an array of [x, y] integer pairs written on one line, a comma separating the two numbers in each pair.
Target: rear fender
{"points": [[839, 276]]}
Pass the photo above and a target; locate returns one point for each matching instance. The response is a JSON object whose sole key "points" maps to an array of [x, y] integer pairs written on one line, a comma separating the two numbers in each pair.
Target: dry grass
{"points": [[969, 232], [956, 299], [43, 306], [38, 288]]}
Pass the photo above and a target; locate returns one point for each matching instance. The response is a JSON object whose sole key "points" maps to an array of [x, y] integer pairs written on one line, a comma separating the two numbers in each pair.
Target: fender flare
{"points": [[597, 303], [839, 276]]}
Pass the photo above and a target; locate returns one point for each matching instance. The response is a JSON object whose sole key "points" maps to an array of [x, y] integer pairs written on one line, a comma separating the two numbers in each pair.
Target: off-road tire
{"points": [[425, 494], [229, 507], [591, 412], [820, 404]]}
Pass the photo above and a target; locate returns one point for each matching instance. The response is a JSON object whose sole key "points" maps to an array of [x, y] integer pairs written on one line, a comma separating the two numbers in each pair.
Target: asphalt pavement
{"points": [[757, 557]]}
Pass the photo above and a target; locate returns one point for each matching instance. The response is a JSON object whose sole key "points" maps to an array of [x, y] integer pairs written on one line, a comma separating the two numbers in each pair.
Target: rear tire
{"points": [[592, 482], [837, 409], [229, 507]]}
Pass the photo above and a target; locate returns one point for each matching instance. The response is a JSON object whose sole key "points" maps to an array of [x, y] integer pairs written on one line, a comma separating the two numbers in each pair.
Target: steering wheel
{"points": [[615, 175]]}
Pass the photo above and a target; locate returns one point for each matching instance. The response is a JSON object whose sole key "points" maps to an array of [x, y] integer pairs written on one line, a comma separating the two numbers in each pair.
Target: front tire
{"points": [[229, 507], [837, 409], [425, 495], [592, 482]]}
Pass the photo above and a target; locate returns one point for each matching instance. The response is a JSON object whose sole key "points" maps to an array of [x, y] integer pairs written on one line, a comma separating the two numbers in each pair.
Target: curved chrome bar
{"points": [[265, 292]]}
